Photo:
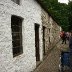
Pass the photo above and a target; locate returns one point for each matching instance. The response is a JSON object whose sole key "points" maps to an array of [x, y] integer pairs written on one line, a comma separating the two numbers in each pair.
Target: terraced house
{"points": [[27, 33]]}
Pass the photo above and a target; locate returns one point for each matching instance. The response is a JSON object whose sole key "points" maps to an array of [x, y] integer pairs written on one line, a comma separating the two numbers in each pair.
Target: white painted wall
{"points": [[31, 12]]}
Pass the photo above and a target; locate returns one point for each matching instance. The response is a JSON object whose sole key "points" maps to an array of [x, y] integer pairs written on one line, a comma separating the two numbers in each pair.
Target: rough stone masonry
{"points": [[30, 11]]}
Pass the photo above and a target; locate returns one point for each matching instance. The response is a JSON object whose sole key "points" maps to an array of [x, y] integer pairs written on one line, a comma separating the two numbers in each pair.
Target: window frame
{"points": [[18, 40]]}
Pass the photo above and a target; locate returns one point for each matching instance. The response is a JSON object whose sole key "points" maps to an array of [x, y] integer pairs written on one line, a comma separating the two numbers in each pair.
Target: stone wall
{"points": [[30, 11], [52, 30]]}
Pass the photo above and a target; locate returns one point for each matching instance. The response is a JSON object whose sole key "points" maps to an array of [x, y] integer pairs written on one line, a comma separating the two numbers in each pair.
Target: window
{"points": [[16, 26], [16, 1]]}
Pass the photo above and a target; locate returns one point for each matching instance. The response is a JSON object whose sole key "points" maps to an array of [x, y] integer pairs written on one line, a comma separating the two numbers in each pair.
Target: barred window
{"points": [[16, 26], [16, 1]]}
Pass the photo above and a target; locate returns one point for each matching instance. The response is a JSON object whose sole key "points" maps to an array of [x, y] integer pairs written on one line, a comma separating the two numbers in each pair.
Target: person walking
{"points": [[67, 35], [63, 37]]}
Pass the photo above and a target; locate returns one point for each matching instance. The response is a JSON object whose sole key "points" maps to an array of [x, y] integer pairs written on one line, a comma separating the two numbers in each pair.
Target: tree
{"points": [[70, 15], [59, 11]]}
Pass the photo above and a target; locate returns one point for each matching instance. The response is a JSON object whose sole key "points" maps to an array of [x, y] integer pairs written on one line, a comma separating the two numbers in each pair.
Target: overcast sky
{"points": [[63, 1]]}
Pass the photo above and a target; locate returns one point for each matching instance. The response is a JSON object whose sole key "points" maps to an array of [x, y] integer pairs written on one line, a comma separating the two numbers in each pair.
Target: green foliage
{"points": [[58, 11], [70, 15]]}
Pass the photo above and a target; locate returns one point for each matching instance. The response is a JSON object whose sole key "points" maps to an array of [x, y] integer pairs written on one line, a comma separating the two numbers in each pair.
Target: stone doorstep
{"points": [[45, 56], [38, 63]]}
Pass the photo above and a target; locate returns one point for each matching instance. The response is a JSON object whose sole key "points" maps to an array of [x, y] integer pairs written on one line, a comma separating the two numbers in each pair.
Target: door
{"points": [[37, 42], [43, 40]]}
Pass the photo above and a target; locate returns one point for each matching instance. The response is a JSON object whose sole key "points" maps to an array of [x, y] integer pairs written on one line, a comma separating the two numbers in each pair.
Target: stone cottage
{"points": [[50, 32], [22, 37]]}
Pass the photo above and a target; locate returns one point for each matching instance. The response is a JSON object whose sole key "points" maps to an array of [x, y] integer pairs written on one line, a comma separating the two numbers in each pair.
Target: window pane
{"points": [[17, 51], [16, 36], [16, 26], [16, 43], [16, 29], [16, 21]]}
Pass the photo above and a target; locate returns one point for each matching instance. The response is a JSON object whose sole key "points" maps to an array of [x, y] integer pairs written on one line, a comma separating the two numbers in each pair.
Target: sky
{"points": [[63, 1]]}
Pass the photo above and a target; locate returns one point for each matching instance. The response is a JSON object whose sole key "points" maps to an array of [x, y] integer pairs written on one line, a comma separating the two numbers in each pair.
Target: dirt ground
{"points": [[51, 62]]}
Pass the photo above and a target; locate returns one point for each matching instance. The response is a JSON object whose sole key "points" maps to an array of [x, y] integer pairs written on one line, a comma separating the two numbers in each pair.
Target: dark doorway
{"points": [[43, 40], [37, 42], [49, 35]]}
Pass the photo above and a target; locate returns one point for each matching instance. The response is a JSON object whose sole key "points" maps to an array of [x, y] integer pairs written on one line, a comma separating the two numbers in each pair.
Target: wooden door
{"points": [[37, 42]]}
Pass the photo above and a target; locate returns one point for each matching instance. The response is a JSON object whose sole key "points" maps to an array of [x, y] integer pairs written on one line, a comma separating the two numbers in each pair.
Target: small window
{"points": [[16, 1], [16, 26]]}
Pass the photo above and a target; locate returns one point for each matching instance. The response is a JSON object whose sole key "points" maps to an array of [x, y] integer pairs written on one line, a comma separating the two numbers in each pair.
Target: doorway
{"points": [[49, 36], [43, 40], [37, 42]]}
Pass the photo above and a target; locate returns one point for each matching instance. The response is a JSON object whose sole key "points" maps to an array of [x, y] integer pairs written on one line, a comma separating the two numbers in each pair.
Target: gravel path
{"points": [[51, 63]]}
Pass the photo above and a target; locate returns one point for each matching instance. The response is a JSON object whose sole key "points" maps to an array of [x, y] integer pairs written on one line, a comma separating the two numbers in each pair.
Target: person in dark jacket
{"points": [[64, 38]]}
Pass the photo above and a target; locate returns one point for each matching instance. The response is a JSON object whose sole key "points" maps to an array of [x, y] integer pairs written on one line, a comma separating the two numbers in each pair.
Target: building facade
{"points": [[50, 32], [21, 35]]}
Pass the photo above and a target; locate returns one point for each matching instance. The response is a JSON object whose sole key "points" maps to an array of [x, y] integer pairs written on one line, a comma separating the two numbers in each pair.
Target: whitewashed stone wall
{"points": [[30, 11], [46, 24], [52, 30]]}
